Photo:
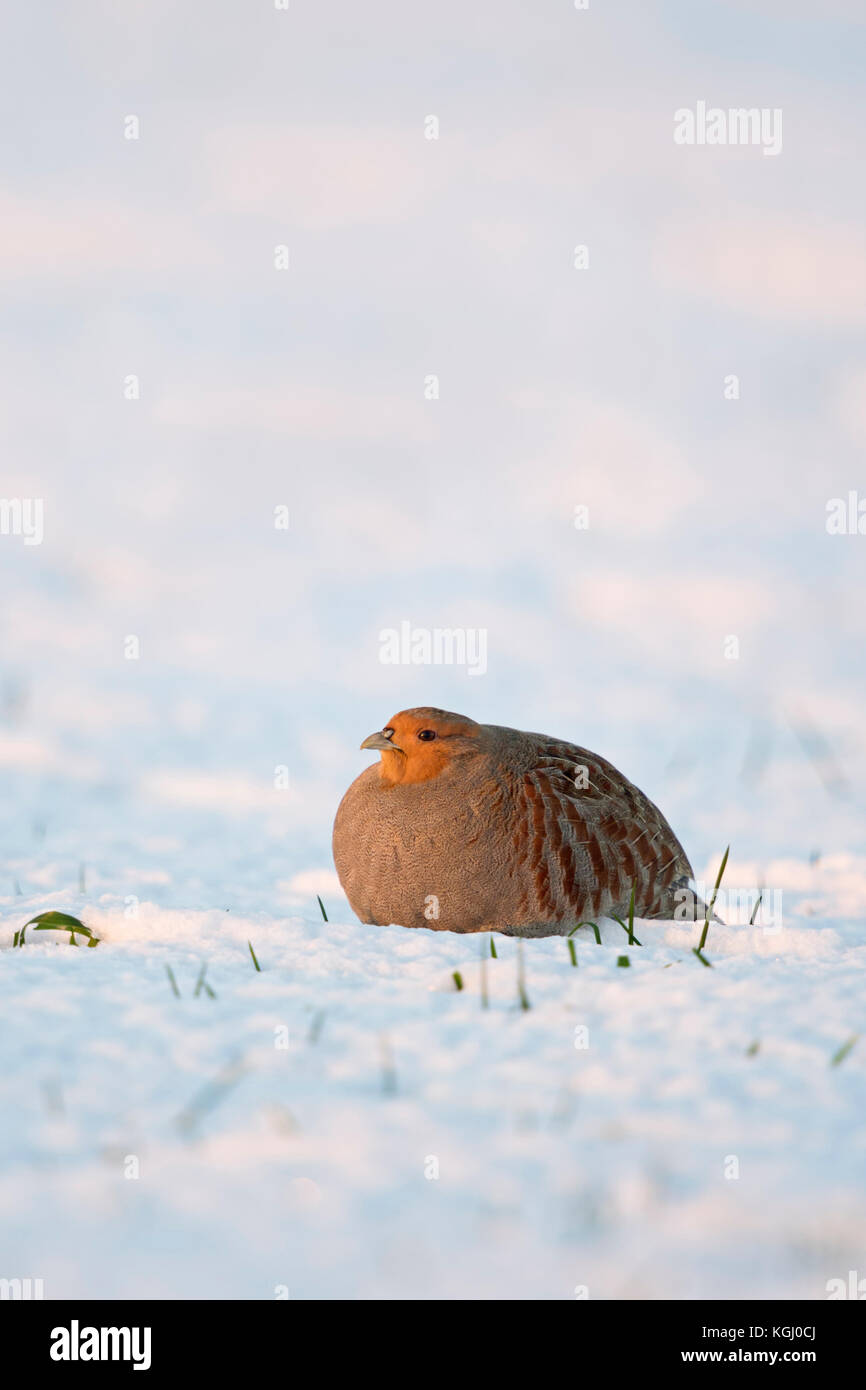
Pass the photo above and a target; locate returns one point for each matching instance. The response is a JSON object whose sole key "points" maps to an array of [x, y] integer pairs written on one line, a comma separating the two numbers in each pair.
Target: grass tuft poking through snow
{"points": [[703, 941], [629, 927], [57, 921], [522, 994], [839, 1056], [595, 929]]}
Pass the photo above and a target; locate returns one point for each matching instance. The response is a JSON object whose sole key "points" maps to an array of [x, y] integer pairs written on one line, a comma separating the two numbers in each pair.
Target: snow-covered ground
{"points": [[347, 1123]]}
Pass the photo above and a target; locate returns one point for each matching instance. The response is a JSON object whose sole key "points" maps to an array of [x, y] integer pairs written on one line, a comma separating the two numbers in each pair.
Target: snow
{"points": [[288, 1132]]}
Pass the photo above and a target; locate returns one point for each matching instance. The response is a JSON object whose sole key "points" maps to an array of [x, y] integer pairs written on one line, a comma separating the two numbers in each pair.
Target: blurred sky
{"points": [[559, 387]]}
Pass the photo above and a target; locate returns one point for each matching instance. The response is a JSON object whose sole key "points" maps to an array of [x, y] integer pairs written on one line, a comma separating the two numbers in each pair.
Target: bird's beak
{"points": [[381, 744]]}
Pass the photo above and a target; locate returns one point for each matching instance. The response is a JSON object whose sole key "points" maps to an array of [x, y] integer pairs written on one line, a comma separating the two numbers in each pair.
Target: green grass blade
{"points": [[253, 954], [703, 941], [632, 939], [521, 978], [47, 920], [839, 1056], [587, 924], [322, 907], [58, 921], [172, 981]]}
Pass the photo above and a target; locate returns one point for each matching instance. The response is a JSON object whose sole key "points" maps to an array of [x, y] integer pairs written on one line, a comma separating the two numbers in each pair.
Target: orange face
{"points": [[417, 744]]}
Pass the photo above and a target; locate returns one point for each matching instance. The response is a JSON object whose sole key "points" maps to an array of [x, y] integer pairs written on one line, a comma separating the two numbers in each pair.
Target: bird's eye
{"points": [[426, 735]]}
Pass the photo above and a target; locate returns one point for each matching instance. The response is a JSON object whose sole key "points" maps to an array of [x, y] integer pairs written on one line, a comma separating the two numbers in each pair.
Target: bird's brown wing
{"points": [[589, 834]]}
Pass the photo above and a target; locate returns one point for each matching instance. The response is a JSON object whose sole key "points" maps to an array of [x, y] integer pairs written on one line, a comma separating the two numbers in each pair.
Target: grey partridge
{"points": [[472, 827]]}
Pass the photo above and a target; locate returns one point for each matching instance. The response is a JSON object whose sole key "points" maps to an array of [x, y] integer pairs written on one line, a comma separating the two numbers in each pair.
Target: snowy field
{"points": [[347, 1123]]}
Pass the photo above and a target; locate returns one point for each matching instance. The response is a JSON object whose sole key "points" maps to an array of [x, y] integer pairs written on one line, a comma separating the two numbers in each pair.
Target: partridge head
{"points": [[469, 827]]}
